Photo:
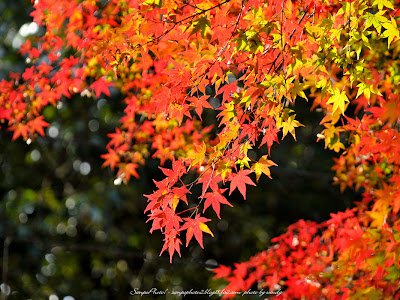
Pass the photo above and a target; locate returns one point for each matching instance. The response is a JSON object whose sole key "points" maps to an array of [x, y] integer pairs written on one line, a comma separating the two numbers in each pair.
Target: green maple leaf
{"points": [[201, 24]]}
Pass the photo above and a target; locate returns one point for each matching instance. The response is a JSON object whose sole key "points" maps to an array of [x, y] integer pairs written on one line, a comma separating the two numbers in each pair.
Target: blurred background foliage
{"points": [[67, 231]]}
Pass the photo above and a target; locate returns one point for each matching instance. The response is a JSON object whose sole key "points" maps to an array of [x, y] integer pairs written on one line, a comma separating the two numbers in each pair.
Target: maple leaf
{"points": [[172, 220], [262, 166], [339, 99], [215, 199], [201, 24], [382, 3], [179, 194], [336, 146], [172, 243], [200, 103], [101, 86], [375, 20], [28, 74], [239, 181], [178, 169], [210, 180], [228, 113], [198, 155], [20, 130], [196, 227], [391, 31], [222, 271], [378, 217], [227, 90], [158, 217], [365, 89], [38, 124], [270, 136], [111, 159], [297, 90], [129, 170], [289, 126]]}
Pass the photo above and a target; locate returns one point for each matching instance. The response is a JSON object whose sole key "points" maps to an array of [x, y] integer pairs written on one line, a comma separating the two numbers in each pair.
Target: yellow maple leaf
{"points": [[339, 100], [262, 166], [205, 228], [289, 126], [198, 155], [391, 31]]}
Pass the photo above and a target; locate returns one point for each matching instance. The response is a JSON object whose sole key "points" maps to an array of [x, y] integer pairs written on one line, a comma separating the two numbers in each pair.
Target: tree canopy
{"points": [[209, 89]]}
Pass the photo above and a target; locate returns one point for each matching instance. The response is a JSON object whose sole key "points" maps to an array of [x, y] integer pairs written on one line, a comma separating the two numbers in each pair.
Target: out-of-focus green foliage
{"points": [[14, 14]]}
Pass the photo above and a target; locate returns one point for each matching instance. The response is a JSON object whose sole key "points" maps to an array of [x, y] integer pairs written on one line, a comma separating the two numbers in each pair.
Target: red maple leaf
{"points": [[227, 90], [200, 103], [28, 74], [210, 181], [19, 130], [38, 124], [172, 243], [181, 192], [270, 136], [222, 271], [239, 181], [196, 226], [112, 159], [101, 86], [129, 170], [172, 220], [178, 169], [215, 199]]}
